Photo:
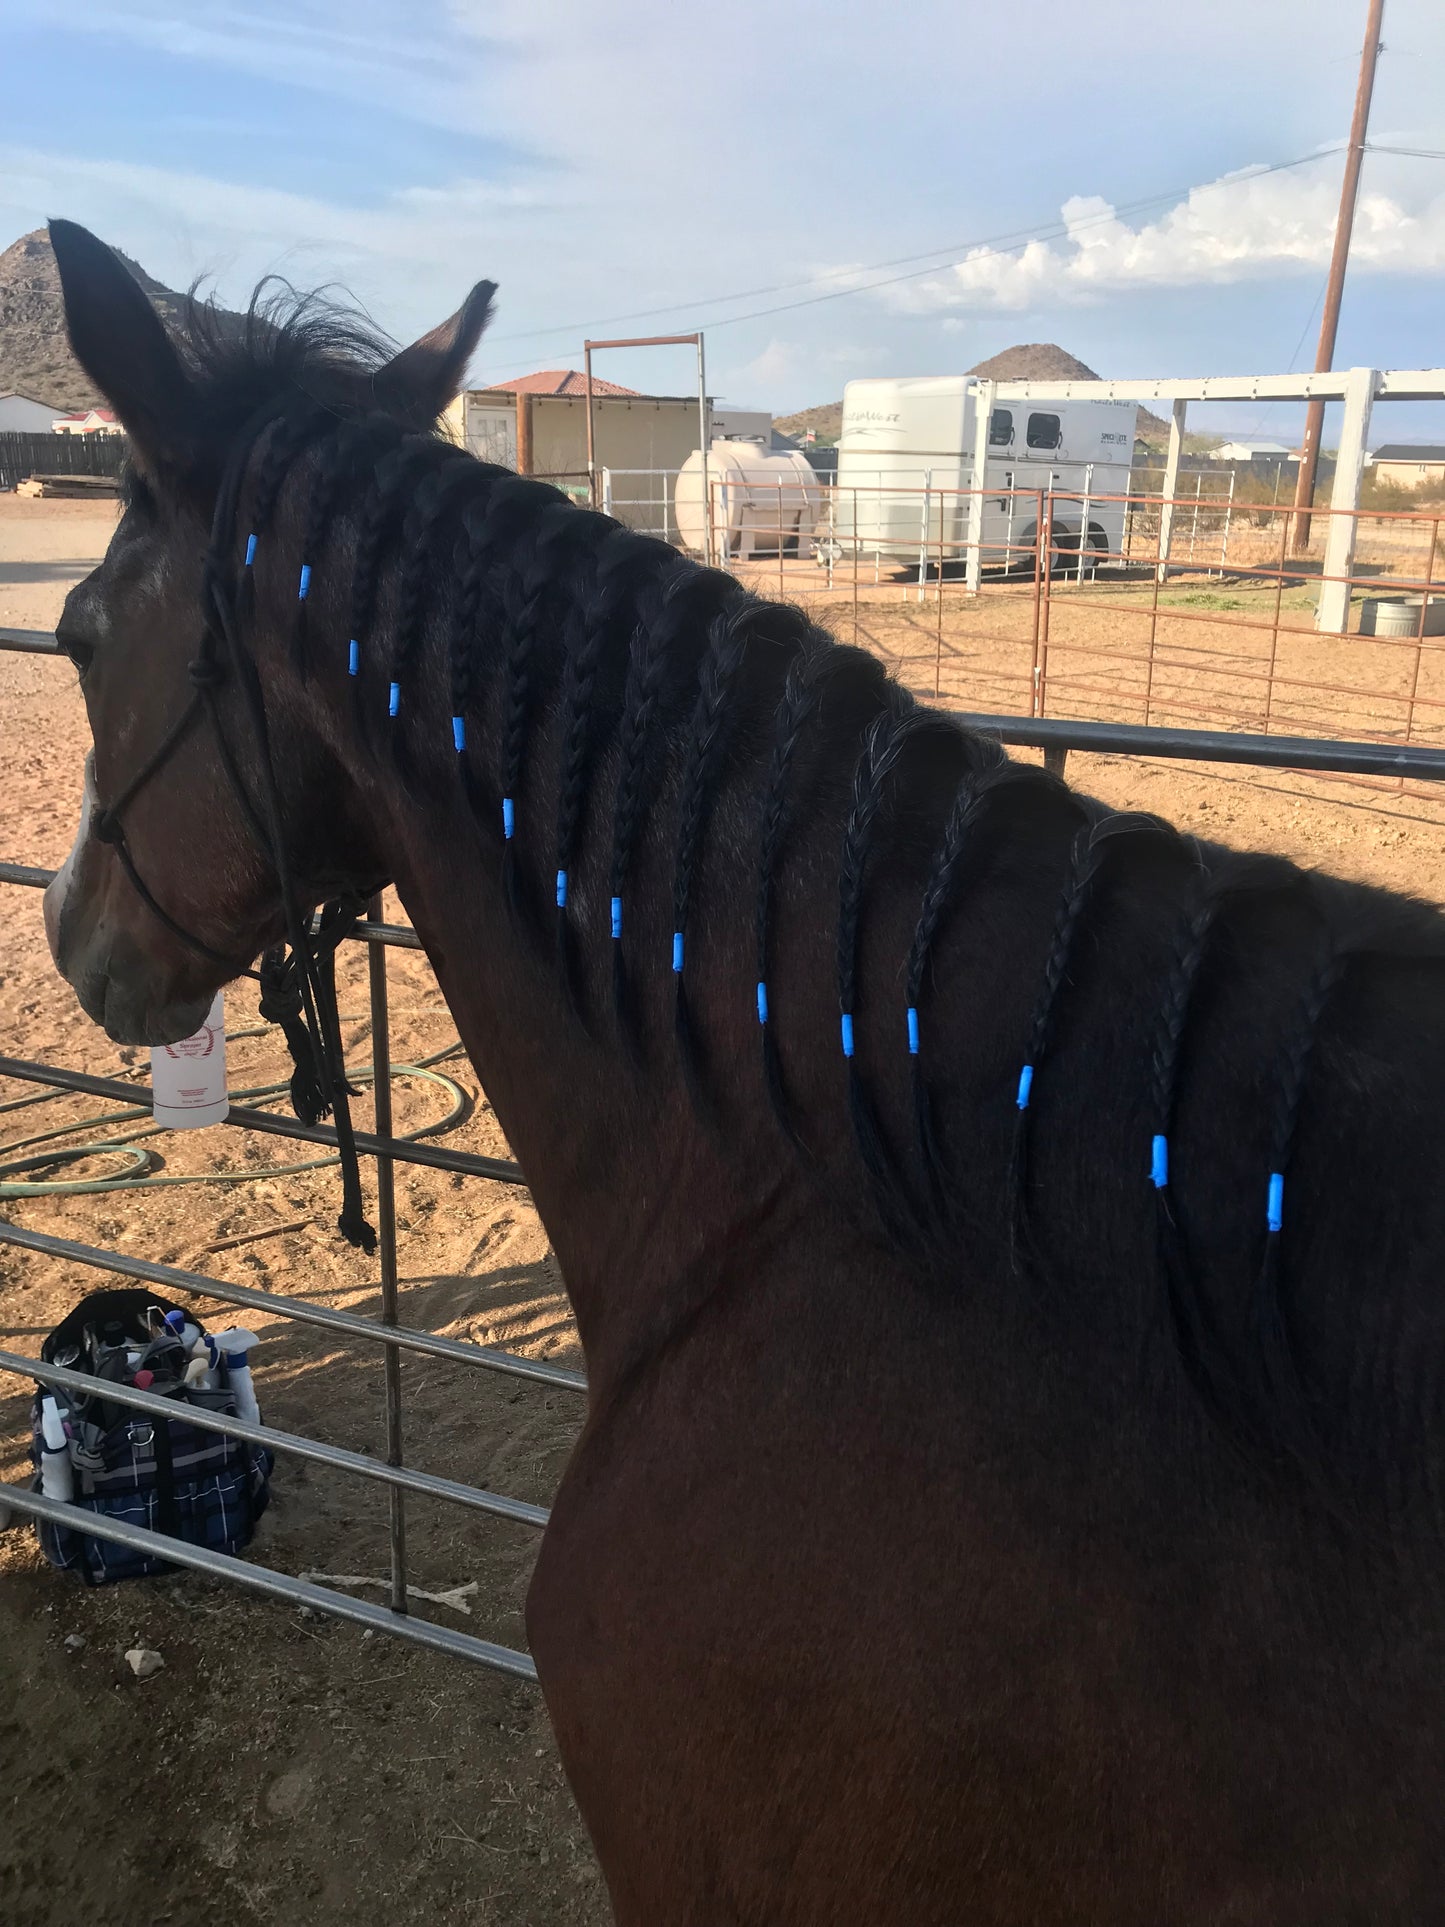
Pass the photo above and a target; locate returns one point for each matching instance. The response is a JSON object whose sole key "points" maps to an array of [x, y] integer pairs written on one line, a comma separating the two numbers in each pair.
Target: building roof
{"points": [[20, 394], [1409, 452], [84, 415], [560, 381]]}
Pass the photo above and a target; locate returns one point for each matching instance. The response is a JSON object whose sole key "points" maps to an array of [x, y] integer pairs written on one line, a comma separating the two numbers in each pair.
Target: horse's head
{"points": [[169, 891]]}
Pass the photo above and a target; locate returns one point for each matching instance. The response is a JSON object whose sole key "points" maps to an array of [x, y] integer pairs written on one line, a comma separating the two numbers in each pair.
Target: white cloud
{"points": [[1244, 226]]}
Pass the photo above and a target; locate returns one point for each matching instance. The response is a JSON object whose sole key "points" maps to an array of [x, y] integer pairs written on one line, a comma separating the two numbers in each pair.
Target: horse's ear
{"points": [[418, 383], [121, 343]]}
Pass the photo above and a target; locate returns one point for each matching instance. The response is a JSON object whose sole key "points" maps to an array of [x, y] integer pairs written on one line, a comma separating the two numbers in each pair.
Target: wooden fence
{"points": [[25, 455]]}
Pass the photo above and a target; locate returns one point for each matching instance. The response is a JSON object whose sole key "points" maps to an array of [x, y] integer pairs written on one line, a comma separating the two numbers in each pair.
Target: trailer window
{"points": [[1045, 431], [1000, 428]]}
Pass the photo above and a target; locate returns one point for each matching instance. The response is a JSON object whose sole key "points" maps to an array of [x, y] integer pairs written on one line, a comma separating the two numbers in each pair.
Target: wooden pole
{"points": [[524, 433], [1334, 288]]}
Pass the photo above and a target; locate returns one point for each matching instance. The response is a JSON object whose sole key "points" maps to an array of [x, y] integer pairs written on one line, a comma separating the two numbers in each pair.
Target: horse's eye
{"points": [[80, 653]]}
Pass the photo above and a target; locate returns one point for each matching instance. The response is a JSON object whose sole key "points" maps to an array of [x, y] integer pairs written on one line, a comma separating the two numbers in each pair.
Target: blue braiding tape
{"points": [[617, 916], [762, 1002], [509, 818], [393, 701], [459, 733], [1026, 1084], [250, 550], [353, 660], [846, 1026], [1159, 1162], [677, 952], [1274, 1210], [561, 889], [303, 587], [912, 1031]]}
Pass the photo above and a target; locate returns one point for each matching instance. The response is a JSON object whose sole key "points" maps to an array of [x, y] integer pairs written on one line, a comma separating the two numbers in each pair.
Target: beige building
{"points": [[1406, 465], [537, 424]]}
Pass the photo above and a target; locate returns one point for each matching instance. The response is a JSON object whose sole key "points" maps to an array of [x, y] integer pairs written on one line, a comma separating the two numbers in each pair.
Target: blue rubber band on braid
{"points": [[1159, 1162], [303, 587], [459, 733], [250, 550], [617, 916], [677, 952], [762, 1003], [912, 1031], [1274, 1209], [1026, 1084], [561, 889], [393, 701], [509, 818], [846, 1027], [353, 659]]}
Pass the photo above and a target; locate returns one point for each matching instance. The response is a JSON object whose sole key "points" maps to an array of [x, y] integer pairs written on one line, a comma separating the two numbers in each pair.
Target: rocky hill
{"points": [[1026, 361], [35, 355]]}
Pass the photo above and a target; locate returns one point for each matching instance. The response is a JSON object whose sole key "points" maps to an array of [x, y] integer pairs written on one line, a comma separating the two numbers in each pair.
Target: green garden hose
{"points": [[143, 1168]]}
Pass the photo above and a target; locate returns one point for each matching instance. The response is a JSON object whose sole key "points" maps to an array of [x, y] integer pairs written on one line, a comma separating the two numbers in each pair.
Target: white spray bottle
{"points": [[188, 1079], [57, 1475], [233, 1346]]}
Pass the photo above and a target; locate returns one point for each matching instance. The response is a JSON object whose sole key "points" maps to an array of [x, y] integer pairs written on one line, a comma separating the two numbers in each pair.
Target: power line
{"points": [[961, 253]]}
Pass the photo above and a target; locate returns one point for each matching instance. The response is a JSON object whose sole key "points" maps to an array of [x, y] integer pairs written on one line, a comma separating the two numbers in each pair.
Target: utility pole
{"points": [[1329, 324]]}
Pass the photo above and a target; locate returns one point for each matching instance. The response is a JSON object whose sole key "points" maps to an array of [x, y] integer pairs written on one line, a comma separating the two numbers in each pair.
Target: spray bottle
{"points": [[233, 1346], [188, 1079], [57, 1475]]}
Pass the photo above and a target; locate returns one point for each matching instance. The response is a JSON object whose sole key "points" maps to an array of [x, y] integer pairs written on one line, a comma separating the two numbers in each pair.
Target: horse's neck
{"points": [[636, 1192]]}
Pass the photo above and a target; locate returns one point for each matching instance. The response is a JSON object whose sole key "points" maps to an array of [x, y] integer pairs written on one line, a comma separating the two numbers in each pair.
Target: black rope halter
{"points": [[297, 978]]}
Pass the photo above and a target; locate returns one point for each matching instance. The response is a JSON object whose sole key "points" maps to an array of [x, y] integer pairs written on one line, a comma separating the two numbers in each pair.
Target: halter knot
{"points": [[105, 827]]}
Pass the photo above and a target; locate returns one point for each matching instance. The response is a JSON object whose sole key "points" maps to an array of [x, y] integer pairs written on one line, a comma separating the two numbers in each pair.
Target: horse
{"points": [[1005, 1236]]}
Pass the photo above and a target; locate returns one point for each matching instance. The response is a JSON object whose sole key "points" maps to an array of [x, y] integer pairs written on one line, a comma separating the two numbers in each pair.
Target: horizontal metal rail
{"points": [[245, 1118], [279, 1585], [276, 1305], [1215, 746], [205, 1420], [30, 642]]}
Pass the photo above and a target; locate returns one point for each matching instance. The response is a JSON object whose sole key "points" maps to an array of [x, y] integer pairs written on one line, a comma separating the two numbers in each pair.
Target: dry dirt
{"points": [[280, 1769]]}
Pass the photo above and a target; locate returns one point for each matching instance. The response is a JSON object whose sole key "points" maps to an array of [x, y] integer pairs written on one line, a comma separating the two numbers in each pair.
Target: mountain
{"points": [[1027, 361], [35, 355]]}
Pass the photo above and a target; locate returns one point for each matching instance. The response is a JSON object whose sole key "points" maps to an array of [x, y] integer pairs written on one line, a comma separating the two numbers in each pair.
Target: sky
{"points": [[826, 190]]}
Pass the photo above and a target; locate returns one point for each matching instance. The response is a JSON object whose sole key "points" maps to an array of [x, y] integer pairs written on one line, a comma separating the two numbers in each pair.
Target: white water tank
{"points": [[762, 499]]}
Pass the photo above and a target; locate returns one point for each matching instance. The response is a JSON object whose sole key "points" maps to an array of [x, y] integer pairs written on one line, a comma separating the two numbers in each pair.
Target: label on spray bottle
{"points": [[188, 1079]]}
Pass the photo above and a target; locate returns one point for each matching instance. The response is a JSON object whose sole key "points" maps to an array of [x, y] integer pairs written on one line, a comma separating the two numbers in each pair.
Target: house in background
{"points": [[1408, 464], [537, 424], [25, 414], [1253, 452], [88, 421]]}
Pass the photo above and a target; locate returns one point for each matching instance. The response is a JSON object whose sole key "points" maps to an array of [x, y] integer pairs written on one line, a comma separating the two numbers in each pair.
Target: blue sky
{"points": [[603, 162]]}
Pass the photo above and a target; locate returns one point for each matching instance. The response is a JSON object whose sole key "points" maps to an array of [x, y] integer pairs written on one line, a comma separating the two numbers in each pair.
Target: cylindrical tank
{"points": [[762, 499]]}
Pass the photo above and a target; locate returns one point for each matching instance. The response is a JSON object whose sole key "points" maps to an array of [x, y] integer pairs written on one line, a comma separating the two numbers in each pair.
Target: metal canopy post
{"points": [[983, 393], [1171, 484], [1332, 617]]}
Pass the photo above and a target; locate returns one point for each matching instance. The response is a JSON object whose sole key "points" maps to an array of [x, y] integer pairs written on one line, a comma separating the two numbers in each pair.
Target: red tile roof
{"points": [[560, 381], [81, 414]]}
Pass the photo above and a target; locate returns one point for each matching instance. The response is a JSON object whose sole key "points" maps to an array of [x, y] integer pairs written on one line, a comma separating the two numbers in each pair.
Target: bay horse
{"points": [[1007, 1238]]}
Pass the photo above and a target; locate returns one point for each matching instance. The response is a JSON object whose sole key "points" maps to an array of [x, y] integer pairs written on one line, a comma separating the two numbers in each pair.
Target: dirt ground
{"points": [[283, 1769]]}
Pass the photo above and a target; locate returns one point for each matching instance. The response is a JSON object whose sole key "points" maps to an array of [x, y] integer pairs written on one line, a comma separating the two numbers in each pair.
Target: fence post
{"points": [[386, 1242], [923, 531], [1332, 617], [983, 395]]}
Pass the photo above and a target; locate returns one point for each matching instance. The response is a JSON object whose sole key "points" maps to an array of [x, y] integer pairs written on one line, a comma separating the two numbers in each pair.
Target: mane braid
{"points": [[814, 663], [648, 664], [337, 460], [620, 560], [727, 648], [435, 499], [970, 803], [883, 744], [282, 443], [1283, 1390], [1092, 843], [381, 515], [557, 525]]}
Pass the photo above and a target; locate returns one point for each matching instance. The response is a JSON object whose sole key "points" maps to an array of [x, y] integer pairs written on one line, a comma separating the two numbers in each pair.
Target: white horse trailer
{"points": [[906, 462]]}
